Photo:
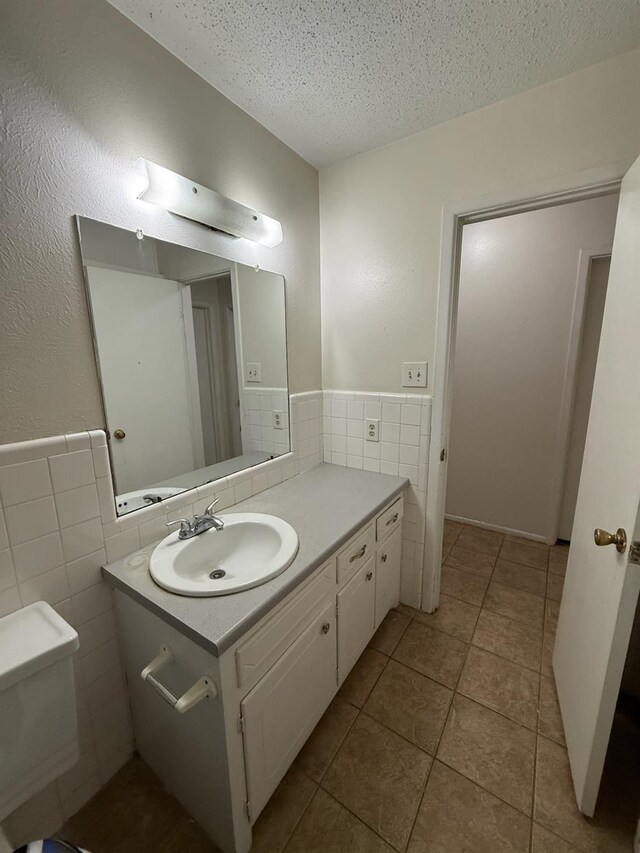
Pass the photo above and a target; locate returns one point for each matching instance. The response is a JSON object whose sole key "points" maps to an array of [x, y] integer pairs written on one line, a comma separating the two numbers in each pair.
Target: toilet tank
{"points": [[38, 720]]}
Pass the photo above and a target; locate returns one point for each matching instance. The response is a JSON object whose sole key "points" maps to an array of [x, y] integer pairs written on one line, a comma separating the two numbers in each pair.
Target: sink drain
{"points": [[219, 573]]}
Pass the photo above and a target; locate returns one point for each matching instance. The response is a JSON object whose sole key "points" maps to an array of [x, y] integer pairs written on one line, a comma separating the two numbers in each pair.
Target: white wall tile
{"points": [[7, 573], [389, 451], [411, 415], [122, 544], [82, 539], [101, 464], [25, 481], [10, 601], [391, 412], [92, 602], [409, 454], [373, 409], [390, 432], [76, 505], [78, 441], [371, 449], [38, 556], [51, 587], [4, 538], [71, 470], [86, 572], [409, 434], [30, 520]]}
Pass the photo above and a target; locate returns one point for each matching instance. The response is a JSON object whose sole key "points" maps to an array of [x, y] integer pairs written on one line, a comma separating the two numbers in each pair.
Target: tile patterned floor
{"points": [[446, 737]]}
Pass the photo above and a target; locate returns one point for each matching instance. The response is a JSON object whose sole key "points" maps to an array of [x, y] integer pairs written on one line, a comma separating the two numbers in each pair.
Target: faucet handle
{"points": [[184, 523], [209, 509]]}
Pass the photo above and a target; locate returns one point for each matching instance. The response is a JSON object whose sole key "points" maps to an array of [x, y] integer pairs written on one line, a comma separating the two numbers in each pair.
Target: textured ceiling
{"points": [[332, 78]]}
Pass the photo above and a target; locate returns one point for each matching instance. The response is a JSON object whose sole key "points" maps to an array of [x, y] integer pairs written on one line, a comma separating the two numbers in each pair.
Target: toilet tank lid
{"points": [[32, 639]]}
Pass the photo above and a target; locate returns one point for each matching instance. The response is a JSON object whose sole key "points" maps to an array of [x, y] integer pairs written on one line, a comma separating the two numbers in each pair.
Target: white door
{"points": [[282, 710], [388, 557], [145, 376], [356, 614], [602, 585]]}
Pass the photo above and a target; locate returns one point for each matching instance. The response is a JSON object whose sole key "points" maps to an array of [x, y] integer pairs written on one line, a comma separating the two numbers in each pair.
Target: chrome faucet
{"points": [[200, 523]]}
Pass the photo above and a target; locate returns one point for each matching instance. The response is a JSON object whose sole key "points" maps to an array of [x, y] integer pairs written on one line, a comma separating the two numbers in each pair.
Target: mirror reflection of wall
{"points": [[191, 352]]}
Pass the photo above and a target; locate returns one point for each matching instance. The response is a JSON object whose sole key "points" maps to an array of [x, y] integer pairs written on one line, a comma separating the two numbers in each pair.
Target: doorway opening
{"points": [[530, 301], [529, 403]]}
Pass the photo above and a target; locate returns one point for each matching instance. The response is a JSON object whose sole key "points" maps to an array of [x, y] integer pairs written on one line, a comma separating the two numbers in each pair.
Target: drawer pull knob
{"points": [[384, 558], [369, 575], [360, 553], [326, 627], [392, 520]]}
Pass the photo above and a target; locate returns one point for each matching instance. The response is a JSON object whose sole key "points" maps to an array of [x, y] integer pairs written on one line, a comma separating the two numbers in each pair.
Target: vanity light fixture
{"points": [[186, 198]]}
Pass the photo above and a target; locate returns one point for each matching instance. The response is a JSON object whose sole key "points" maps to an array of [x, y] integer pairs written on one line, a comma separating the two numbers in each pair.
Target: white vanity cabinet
{"points": [[224, 758]]}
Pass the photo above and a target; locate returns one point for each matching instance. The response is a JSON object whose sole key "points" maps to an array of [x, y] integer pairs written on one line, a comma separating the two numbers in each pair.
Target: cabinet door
{"points": [[356, 605], [388, 575], [283, 708]]}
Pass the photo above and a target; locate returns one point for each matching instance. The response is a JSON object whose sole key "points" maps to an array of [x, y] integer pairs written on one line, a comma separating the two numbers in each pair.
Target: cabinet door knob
{"points": [[384, 558], [369, 575], [326, 627], [392, 520]]}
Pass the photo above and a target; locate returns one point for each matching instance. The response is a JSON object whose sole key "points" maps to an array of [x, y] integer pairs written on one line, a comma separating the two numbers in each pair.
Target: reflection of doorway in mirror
{"points": [[215, 353]]}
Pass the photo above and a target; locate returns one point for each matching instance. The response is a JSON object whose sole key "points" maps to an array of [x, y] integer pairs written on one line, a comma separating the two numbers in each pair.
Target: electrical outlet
{"points": [[278, 420], [414, 374], [254, 372], [372, 430]]}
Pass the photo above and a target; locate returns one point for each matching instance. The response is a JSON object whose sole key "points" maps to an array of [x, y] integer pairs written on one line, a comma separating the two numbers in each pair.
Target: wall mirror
{"points": [[192, 359]]}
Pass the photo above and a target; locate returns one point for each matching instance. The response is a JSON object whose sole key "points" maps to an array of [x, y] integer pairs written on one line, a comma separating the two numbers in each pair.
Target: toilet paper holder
{"points": [[204, 688]]}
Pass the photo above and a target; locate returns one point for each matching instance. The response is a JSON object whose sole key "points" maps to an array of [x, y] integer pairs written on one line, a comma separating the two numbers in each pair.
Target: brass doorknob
{"points": [[119, 434], [619, 538]]}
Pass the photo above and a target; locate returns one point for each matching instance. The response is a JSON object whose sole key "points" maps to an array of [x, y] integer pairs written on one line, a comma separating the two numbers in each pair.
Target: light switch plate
{"points": [[372, 429], [254, 372], [278, 420], [414, 374]]}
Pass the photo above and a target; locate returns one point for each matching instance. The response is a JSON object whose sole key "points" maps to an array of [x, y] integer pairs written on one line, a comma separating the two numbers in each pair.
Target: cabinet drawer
{"points": [[264, 647], [390, 520], [355, 554]]}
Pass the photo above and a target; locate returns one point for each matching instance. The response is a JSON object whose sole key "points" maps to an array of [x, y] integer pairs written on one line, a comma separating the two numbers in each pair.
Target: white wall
{"points": [[381, 212], [84, 94], [516, 304]]}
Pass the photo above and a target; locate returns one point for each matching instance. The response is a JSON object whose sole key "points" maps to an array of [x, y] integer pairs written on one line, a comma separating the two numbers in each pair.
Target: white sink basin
{"points": [[250, 550]]}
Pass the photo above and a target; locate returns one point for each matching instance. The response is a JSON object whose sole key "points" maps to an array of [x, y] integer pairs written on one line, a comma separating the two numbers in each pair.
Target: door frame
{"points": [[586, 184]]}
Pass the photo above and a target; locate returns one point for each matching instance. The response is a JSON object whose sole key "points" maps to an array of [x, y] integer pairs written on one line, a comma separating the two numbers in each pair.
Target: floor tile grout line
{"points": [[454, 691]]}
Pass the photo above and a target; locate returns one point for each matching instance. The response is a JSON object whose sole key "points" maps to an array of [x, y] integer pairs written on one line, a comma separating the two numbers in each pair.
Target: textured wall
{"points": [[84, 93], [381, 212]]}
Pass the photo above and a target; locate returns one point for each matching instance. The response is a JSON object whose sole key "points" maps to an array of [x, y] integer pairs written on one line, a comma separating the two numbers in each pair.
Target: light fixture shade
{"points": [[179, 195]]}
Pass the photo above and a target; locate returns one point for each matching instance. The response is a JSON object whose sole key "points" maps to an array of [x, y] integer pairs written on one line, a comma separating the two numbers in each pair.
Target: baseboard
{"points": [[510, 531]]}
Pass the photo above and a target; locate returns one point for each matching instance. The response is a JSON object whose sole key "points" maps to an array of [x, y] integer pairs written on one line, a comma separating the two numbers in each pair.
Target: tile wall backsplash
{"points": [[260, 432], [402, 449], [58, 526]]}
